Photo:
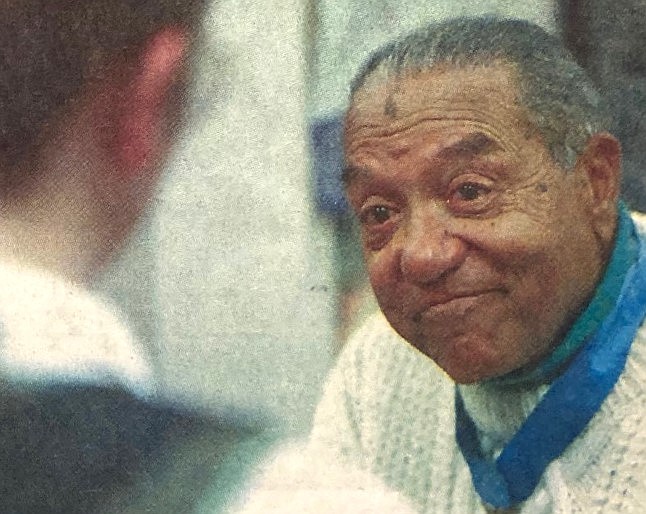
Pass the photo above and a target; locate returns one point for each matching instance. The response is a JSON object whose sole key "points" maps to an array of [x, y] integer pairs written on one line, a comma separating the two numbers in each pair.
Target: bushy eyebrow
{"points": [[477, 143], [350, 173]]}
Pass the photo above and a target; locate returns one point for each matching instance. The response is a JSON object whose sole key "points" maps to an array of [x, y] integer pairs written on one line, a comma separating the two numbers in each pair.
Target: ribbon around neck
{"points": [[567, 407]]}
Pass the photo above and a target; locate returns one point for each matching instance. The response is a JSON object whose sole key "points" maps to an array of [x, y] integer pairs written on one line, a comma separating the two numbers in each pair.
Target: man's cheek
{"points": [[390, 293], [381, 271]]}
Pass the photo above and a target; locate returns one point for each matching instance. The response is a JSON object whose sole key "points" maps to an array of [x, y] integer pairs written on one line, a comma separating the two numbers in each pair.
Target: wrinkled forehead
{"points": [[486, 94]]}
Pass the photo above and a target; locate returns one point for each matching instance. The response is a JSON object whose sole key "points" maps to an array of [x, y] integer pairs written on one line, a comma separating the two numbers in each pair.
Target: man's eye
{"points": [[471, 191], [378, 225], [470, 197], [376, 215]]}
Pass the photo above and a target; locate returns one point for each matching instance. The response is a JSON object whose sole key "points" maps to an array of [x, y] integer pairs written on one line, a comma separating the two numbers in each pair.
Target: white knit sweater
{"points": [[389, 410]]}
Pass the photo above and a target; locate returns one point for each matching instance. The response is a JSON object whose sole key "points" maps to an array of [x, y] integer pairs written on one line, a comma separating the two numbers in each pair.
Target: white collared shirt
{"points": [[52, 331]]}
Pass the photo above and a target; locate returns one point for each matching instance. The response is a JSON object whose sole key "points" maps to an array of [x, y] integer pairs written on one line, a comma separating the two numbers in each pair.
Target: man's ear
{"points": [[600, 164], [141, 125]]}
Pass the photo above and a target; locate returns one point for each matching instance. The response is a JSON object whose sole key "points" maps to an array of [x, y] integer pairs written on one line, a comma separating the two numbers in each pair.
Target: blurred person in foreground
{"points": [[506, 371], [91, 99]]}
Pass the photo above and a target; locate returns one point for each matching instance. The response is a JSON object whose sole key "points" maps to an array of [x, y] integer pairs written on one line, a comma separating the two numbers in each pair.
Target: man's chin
{"points": [[466, 361], [465, 375]]}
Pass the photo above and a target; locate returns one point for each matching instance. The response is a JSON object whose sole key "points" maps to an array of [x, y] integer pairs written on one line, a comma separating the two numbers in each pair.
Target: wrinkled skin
{"points": [[481, 250]]}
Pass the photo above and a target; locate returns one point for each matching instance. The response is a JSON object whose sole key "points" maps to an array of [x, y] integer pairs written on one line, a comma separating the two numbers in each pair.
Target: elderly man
{"points": [[91, 97], [506, 370]]}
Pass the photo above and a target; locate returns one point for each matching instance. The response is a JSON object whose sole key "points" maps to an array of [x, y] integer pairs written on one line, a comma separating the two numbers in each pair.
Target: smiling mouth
{"points": [[454, 306]]}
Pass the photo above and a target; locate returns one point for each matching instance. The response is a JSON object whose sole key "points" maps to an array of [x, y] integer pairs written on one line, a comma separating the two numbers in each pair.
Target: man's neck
{"points": [[55, 223], [50, 239], [75, 210]]}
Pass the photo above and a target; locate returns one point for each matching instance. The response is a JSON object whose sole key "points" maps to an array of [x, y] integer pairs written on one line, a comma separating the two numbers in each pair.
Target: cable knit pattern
{"points": [[389, 410]]}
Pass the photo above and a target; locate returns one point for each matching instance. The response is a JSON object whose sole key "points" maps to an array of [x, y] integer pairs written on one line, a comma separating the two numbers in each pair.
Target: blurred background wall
{"points": [[348, 30], [245, 279], [607, 38], [228, 282]]}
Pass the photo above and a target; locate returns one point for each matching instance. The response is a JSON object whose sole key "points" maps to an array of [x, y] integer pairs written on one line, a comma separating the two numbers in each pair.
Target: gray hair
{"points": [[560, 99]]}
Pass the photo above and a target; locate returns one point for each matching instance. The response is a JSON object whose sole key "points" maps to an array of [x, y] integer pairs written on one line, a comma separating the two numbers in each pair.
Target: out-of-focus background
{"points": [[246, 277]]}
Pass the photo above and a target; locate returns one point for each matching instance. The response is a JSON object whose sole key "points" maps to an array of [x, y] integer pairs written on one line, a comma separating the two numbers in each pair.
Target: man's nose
{"points": [[429, 251]]}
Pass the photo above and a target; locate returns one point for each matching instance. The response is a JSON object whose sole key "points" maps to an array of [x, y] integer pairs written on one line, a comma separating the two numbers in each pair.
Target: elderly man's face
{"points": [[480, 249]]}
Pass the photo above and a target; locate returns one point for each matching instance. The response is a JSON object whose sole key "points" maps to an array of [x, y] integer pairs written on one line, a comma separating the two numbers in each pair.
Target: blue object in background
{"points": [[326, 140]]}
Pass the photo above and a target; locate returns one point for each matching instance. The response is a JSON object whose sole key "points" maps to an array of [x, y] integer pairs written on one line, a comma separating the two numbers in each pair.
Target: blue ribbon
{"points": [[567, 407]]}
